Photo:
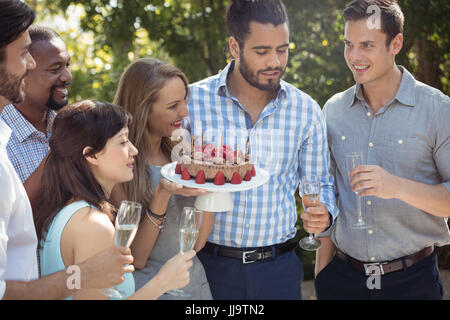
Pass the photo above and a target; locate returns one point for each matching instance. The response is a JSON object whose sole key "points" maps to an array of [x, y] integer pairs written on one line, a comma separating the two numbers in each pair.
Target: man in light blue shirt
{"points": [[401, 126], [249, 253]]}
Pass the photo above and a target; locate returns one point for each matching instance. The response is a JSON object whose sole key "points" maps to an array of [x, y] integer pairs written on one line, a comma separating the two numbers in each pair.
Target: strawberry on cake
{"points": [[217, 164]]}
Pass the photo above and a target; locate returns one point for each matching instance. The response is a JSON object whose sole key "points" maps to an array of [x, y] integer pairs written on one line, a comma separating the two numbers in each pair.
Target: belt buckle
{"points": [[368, 268], [244, 256]]}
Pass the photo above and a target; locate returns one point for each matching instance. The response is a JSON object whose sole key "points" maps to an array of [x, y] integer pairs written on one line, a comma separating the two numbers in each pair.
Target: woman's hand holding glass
{"points": [[174, 273]]}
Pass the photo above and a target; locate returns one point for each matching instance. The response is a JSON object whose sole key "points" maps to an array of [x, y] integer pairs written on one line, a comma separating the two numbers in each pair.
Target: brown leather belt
{"points": [[388, 266]]}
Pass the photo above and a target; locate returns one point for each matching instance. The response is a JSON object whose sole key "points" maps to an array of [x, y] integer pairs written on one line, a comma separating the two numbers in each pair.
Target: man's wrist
{"points": [[400, 188], [330, 221]]}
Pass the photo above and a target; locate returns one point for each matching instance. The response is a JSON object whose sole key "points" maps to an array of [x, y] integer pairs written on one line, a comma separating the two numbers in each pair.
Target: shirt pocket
{"points": [[404, 153]]}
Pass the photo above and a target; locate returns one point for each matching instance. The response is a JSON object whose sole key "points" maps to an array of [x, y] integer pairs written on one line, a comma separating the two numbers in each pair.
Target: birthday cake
{"points": [[219, 165]]}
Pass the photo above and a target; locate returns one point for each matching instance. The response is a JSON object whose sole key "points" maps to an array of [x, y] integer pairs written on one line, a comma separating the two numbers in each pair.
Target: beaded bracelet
{"points": [[159, 226], [159, 217]]}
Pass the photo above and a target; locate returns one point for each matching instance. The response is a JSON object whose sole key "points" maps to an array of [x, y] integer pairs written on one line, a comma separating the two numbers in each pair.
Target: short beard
{"points": [[52, 104], [251, 78], [10, 86]]}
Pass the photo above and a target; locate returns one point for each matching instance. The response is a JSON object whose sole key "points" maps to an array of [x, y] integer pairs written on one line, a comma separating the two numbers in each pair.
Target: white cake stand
{"points": [[219, 199]]}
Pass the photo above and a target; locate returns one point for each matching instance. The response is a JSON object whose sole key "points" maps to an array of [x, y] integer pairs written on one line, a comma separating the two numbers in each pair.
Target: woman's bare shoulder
{"points": [[88, 232]]}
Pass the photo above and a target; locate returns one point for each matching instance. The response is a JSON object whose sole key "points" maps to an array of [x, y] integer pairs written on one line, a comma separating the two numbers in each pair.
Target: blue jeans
{"points": [[276, 278], [420, 281]]}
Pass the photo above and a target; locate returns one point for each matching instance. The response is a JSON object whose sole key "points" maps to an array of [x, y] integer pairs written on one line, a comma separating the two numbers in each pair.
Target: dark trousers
{"points": [[270, 279], [420, 281]]}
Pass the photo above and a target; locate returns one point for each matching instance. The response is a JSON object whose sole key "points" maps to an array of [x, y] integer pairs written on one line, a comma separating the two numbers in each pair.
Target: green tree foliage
{"points": [[317, 64], [189, 34], [426, 50], [192, 35]]}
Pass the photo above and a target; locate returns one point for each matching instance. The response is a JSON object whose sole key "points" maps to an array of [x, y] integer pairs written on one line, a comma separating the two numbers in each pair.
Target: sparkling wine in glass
{"points": [[352, 160], [125, 234], [127, 221], [189, 228], [188, 237], [310, 186]]}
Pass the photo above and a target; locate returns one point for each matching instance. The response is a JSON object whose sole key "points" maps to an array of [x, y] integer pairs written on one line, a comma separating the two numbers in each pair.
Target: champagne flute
{"points": [[352, 160], [189, 229], [127, 221], [310, 197]]}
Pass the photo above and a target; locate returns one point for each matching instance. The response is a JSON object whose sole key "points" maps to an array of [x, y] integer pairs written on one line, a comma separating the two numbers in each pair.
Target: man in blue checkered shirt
{"points": [[250, 253], [31, 120]]}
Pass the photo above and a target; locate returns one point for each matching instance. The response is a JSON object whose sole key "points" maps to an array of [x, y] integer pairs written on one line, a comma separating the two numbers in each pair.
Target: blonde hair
{"points": [[138, 90]]}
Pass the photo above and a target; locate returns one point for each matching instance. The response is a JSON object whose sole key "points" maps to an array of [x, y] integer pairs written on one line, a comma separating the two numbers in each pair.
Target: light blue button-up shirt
{"points": [[409, 137], [288, 140]]}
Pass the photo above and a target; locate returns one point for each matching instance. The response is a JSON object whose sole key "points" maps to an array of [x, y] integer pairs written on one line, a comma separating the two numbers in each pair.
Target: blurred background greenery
{"points": [[104, 36]]}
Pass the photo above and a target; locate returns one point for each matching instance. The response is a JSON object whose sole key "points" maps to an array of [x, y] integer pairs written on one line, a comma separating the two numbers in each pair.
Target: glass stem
{"points": [[359, 208]]}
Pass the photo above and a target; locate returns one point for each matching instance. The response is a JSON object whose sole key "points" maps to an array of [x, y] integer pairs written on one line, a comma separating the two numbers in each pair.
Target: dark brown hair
{"points": [[15, 18], [66, 174], [392, 18], [241, 12]]}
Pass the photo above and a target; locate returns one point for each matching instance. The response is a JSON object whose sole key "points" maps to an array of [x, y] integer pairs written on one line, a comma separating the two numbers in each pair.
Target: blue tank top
{"points": [[50, 252]]}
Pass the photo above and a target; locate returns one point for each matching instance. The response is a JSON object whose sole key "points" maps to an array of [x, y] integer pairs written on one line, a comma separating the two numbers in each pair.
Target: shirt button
{"points": [[372, 258], [247, 225], [370, 231], [368, 114], [343, 138], [371, 144], [369, 203], [400, 141]]}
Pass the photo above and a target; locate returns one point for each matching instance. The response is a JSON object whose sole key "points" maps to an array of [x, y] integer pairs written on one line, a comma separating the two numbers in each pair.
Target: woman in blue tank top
{"points": [[89, 154]]}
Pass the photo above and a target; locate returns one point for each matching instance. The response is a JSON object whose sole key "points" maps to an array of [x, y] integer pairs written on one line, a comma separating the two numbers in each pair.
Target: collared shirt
{"points": [[409, 137], [288, 141], [18, 240], [27, 146]]}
